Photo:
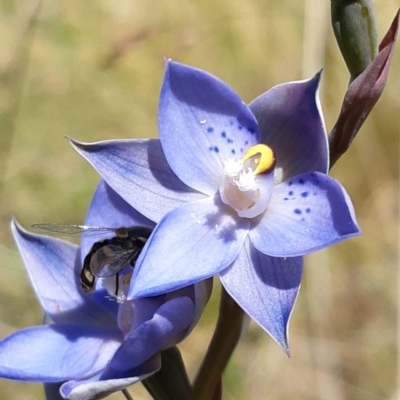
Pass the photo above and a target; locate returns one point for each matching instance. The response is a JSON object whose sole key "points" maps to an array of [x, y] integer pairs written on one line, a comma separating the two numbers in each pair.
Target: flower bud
{"points": [[354, 26]]}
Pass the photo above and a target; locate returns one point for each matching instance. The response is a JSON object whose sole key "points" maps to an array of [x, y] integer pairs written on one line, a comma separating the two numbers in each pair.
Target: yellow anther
{"points": [[260, 158], [126, 280]]}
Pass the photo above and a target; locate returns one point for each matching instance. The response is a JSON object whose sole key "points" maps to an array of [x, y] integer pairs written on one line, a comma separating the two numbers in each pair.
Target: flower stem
{"points": [[222, 345], [127, 394]]}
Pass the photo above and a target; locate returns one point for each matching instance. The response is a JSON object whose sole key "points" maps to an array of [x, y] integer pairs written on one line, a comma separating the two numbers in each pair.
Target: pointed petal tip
{"points": [[17, 230], [14, 223], [76, 144], [315, 81], [283, 344], [286, 348], [318, 75]]}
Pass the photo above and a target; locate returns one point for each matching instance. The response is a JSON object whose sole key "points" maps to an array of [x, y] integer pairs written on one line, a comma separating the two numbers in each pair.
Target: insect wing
{"points": [[72, 230], [110, 259]]}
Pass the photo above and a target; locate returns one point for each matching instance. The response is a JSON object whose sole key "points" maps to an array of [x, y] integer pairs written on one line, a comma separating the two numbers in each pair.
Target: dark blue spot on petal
{"points": [[210, 129], [233, 151], [291, 193], [297, 211], [308, 210], [230, 141], [240, 127], [301, 181], [223, 134], [251, 130], [304, 194], [285, 198], [290, 183], [214, 148], [246, 142]]}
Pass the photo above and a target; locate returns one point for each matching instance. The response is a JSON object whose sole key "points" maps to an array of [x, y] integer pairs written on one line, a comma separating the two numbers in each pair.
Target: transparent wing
{"points": [[110, 259], [71, 229]]}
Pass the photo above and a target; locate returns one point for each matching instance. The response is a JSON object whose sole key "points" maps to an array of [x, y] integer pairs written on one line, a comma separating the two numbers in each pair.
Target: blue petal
{"points": [[143, 310], [291, 123], [109, 381], [272, 285], [50, 265], [202, 122], [191, 243], [56, 353], [138, 171], [172, 318], [306, 213], [108, 209]]}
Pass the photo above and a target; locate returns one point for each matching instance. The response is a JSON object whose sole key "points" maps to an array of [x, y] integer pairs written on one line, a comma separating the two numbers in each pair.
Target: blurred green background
{"points": [[92, 70]]}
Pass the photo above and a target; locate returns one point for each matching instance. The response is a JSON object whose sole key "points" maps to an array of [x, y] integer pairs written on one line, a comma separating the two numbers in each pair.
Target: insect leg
{"points": [[116, 284]]}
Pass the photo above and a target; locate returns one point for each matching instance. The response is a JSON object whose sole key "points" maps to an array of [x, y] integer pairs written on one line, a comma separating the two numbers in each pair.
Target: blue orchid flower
{"points": [[236, 190], [92, 346]]}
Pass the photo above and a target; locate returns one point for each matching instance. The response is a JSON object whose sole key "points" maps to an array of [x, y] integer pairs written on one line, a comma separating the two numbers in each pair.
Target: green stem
{"points": [[222, 345], [127, 394]]}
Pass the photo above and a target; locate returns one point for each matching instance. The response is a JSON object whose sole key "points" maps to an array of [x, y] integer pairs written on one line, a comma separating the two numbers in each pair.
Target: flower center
{"points": [[247, 184]]}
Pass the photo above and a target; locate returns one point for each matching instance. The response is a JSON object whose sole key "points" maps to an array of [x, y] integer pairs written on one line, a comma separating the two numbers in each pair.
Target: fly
{"points": [[107, 257]]}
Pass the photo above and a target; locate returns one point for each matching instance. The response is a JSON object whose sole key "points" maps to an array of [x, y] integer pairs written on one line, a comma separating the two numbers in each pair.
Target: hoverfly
{"points": [[107, 257]]}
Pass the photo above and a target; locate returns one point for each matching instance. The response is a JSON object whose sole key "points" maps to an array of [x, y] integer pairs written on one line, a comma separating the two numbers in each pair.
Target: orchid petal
{"points": [[108, 209], [105, 383], [291, 123], [156, 334], [266, 288], [202, 228], [306, 213], [138, 171], [49, 263], [53, 353], [144, 308], [202, 122]]}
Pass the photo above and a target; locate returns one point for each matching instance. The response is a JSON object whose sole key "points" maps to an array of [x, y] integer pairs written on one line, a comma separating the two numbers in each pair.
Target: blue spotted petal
{"points": [[266, 288], [138, 171], [54, 353], [49, 263], [160, 331], [191, 243], [291, 123], [306, 213], [202, 122]]}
